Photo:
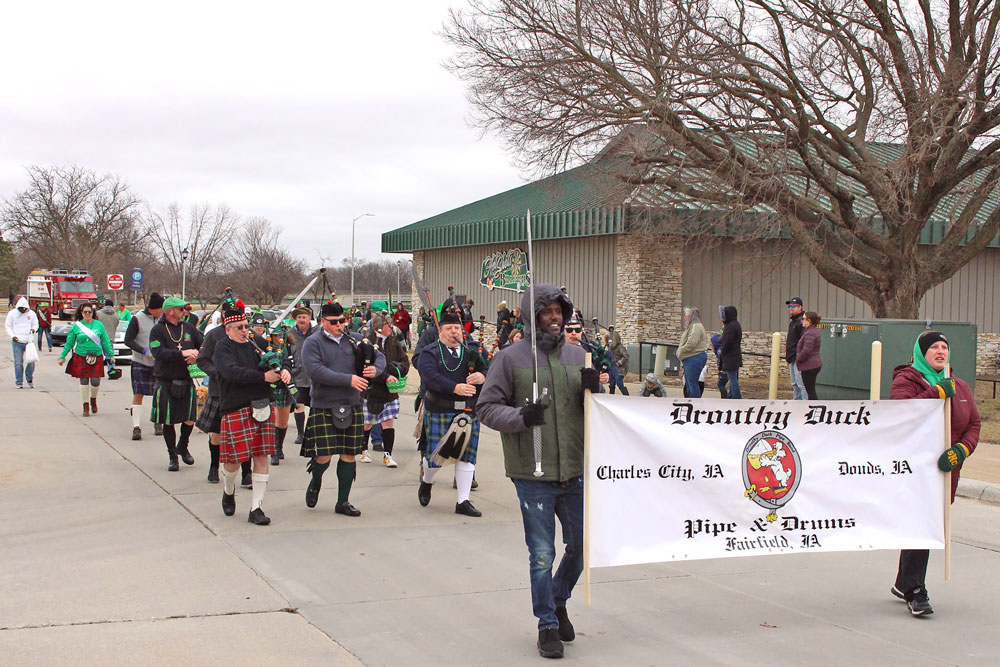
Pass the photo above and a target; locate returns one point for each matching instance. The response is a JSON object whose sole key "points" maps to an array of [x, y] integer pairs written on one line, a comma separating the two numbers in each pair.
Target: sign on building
{"points": [[506, 269]]}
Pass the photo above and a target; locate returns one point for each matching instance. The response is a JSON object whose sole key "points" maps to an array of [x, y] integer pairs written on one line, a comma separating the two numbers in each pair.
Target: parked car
{"points": [[123, 355]]}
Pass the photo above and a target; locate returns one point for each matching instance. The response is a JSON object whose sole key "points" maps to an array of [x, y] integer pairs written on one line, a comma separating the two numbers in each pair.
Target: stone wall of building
{"points": [[418, 262], [649, 297]]}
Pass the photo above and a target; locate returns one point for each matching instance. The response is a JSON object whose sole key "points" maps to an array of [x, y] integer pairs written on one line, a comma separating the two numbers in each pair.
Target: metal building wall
{"points": [[586, 266], [758, 278]]}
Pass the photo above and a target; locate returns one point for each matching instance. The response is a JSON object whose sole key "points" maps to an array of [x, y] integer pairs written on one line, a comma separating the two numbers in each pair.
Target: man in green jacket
{"points": [[505, 405]]}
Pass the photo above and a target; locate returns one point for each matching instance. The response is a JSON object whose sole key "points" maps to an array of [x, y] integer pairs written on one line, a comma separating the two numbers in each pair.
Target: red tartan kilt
{"points": [[79, 368], [242, 437]]}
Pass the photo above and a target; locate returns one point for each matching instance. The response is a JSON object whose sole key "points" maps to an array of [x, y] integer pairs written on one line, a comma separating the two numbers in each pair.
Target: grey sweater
{"points": [[330, 366]]}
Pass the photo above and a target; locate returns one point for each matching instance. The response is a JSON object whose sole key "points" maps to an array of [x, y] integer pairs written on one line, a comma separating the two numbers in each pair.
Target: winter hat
{"points": [[258, 320], [230, 315], [651, 378], [155, 301], [331, 309], [929, 338], [449, 317]]}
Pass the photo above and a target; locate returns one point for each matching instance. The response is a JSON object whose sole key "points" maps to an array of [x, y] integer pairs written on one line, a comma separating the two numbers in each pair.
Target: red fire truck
{"points": [[64, 290]]}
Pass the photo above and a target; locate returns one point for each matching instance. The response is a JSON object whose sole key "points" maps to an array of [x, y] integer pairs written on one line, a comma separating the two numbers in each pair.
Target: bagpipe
{"points": [[598, 351]]}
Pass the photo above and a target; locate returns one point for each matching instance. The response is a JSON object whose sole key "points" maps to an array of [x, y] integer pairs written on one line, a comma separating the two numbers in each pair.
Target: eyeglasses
{"points": [[334, 320], [242, 327], [574, 329]]}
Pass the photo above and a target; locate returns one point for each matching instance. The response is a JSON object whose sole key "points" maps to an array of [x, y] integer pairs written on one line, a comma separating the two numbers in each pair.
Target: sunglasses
{"points": [[574, 329], [86, 311], [793, 305], [335, 320], [242, 327]]}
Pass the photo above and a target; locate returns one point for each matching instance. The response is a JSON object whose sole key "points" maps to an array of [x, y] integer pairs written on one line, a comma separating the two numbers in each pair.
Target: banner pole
{"points": [[772, 384], [947, 484], [587, 400], [876, 379]]}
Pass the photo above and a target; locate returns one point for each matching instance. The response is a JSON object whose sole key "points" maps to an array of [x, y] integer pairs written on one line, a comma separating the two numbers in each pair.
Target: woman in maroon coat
{"points": [[807, 358], [925, 378]]}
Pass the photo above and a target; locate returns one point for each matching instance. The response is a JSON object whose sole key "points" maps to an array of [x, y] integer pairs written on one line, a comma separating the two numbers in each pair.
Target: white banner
{"points": [[676, 479]]}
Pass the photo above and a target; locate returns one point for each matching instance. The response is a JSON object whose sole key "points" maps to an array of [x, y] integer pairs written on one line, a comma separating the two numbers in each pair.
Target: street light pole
{"points": [[352, 252], [184, 258]]}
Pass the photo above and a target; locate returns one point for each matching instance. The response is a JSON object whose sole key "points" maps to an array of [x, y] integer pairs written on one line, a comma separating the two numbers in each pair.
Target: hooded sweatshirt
{"points": [[108, 316], [509, 384], [21, 325], [731, 343]]}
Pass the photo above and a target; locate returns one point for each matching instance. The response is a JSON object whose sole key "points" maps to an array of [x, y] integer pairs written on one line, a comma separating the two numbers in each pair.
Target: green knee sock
{"points": [[345, 477], [317, 470]]}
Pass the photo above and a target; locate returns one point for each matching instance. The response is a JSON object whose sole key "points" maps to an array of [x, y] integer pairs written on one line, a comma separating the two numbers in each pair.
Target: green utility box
{"points": [[846, 350]]}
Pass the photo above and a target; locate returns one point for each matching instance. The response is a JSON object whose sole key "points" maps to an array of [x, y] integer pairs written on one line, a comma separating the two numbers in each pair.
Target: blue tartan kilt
{"points": [[436, 425], [323, 438], [389, 411], [142, 379]]}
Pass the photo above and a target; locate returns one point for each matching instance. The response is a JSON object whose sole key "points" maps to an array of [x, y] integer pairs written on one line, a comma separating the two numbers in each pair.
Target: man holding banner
{"points": [[506, 405]]}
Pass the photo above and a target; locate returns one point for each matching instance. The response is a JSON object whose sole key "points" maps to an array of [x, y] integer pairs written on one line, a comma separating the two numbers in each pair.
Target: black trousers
{"points": [[912, 570], [809, 380]]}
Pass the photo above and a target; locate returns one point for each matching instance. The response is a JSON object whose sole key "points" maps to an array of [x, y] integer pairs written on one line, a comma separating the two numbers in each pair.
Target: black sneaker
{"points": [[424, 493], [566, 631], [213, 474], [467, 508], [920, 604], [275, 460], [228, 503], [549, 644], [136, 433], [299, 438], [247, 482], [898, 593], [258, 518]]}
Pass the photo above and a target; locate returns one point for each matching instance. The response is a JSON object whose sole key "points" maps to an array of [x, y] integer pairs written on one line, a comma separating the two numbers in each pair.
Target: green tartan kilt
{"points": [[322, 438], [169, 410], [280, 396]]}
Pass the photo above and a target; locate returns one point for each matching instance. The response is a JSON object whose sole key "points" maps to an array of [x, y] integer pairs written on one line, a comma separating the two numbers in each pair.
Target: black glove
{"points": [[590, 379], [533, 414]]}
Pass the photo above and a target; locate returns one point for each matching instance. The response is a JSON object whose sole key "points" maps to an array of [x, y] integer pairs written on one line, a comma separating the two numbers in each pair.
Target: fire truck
{"points": [[64, 290]]}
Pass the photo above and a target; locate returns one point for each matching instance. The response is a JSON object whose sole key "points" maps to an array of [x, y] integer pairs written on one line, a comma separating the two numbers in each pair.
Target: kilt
{"points": [[210, 419], [322, 438], [142, 379], [436, 425], [170, 410], [390, 411], [243, 437], [280, 396], [79, 368]]}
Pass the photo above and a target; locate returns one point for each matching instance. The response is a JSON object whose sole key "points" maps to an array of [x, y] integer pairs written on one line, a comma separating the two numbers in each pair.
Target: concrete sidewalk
{"points": [[110, 559]]}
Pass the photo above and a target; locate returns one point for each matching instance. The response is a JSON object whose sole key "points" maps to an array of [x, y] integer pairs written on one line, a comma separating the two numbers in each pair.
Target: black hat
{"points": [[230, 315], [331, 309], [449, 317], [155, 301], [109, 302], [794, 301], [928, 338], [258, 321]]}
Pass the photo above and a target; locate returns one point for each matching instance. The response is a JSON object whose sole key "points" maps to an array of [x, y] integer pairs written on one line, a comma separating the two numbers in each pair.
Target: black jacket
{"points": [[206, 358], [239, 375], [396, 363], [168, 362], [792, 340], [731, 345]]}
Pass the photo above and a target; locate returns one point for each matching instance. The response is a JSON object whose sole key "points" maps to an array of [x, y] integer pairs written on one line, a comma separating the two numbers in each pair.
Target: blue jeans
{"points": [[48, 338], [692, 371], [798, 386], [541, 503], [734, 384], [377, 434], [20, 370]]}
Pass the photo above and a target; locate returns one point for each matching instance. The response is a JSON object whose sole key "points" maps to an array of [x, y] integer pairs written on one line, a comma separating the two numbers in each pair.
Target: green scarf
{"points": [[920, 363]]}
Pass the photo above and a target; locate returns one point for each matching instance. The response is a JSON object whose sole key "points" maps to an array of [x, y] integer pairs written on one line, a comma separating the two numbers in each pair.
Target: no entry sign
{"points": [[116, 281]]}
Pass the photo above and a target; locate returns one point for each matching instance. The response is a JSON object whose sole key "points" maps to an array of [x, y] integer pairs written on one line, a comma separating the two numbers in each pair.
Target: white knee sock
{"points": [[94, 390], [136, 415], [259, 487], [85, 393], [429, 473], [463, 479], [229, 480]]}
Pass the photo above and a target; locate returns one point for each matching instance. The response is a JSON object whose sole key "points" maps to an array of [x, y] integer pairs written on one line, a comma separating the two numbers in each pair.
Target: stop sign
{"points": [[116, 281]]}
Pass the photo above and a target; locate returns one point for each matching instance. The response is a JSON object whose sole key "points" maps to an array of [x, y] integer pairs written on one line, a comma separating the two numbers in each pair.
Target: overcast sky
{"points": [[307, 113]]}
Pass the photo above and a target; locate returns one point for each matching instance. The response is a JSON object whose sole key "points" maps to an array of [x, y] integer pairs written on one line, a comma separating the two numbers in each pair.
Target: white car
{"points": [[123, 353]]}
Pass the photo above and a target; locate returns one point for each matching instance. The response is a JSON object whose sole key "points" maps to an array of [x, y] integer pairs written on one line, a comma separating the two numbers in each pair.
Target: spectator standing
{"points": [[401, 318], [807, 353], [722, 382], [109, 318], [619, 352], [44, 316], [691, 351], [21, 324], [795, 327], [731, 349]]}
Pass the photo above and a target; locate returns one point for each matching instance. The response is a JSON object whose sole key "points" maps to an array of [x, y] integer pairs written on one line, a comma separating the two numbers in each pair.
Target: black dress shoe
{"points": [[274, 460], [213, 474], [312, 495], [347, 509], [467, 508], [549, 645], [228, 503], [186, 457], [424, 493], [566, 631], [172, 466], [258, 518], [247, 482]]}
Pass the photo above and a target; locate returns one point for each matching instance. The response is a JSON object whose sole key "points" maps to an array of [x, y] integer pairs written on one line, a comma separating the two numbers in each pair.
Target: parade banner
{"points": [[678, 479]]}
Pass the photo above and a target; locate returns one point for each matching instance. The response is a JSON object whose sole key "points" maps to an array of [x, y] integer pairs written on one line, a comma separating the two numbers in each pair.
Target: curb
{"points": [[976, 490]]}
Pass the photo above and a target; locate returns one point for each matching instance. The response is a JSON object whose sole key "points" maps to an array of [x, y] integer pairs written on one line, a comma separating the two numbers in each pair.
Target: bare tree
{"points": [[262, 270], [207, 233], [69, 217], [861, 128]]}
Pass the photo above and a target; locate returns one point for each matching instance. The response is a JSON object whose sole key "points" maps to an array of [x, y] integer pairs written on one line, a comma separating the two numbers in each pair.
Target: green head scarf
{"points": [[920, 362]]}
